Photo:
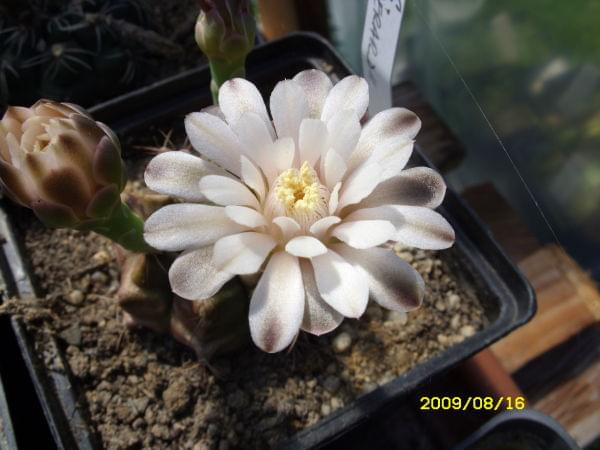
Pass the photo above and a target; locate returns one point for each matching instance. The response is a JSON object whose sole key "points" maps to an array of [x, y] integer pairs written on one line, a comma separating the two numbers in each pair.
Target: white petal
{"points": [[277, 304], [419, 186], [350, 93], [193, 276], [245, 216], [364, 233], [320, 227], [283, 153], [359, 184], [185, 225], [215, 111], [334, 198], [178, 174], [288, 108], [316, 85], [398, 124], [253, 178], [242, 254], [288, 226], [255, 138], [319, 318], [213, 139], [344, 131], [312, 140], [415, 226], [227, 191], [343, 287], [305, 247], [334, 168], [393, 283], [392, 157], [238, 96]]}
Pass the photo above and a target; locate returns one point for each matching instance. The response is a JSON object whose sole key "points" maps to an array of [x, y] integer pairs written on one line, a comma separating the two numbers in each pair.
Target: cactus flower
{"points": [[56, 160], [306, 196]]}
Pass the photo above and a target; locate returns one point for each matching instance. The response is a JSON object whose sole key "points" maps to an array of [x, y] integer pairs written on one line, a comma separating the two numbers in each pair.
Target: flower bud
{"points": [[56, 160], [225, 29]]}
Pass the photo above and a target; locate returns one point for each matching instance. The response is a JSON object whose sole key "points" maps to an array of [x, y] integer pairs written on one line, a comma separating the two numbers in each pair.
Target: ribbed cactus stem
{"points": [[125, 228], [221, 71]]}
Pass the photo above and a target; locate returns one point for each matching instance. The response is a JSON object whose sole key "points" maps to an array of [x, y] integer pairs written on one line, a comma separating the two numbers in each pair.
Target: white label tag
{"points": [[379, 42]]}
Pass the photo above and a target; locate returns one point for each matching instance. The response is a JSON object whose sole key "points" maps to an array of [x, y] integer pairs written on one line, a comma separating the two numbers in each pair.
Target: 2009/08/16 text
{"points": [[477, 403]]}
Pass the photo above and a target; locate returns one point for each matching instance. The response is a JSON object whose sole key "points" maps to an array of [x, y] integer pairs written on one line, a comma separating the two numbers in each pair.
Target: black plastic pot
{"points": [[527, 429], [7, 435], [507, 297]]}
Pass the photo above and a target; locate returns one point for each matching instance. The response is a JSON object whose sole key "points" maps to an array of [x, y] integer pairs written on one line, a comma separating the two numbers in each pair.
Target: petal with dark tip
{"points": [[319, 318], [108, 165], [186, 225], [194, 277], [54, 215], [316, 85], [343, 287], [88, 128], [419, 186], [277, 304], [415, 226], [178, 174], [398, 124], [393, 283]]}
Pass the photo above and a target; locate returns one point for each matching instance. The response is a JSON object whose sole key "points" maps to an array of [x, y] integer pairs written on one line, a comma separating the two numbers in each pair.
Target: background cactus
{"points": [[85, 51]]}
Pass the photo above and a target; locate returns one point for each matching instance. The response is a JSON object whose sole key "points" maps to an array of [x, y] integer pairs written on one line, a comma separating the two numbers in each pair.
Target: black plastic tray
{"points": [[7, 435], [507, 297]]}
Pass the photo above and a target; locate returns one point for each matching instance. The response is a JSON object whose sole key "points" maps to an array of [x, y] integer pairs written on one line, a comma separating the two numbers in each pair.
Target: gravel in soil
{"points": [[144, 390]]}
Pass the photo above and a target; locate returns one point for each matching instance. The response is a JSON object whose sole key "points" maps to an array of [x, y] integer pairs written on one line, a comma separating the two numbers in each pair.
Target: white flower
{"points": [[310, 196]]}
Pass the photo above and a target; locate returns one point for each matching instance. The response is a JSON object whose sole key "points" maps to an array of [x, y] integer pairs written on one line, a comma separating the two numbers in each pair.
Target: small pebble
{"points": [[342, 342], [455, 321], [397, 316], [101, 257], [99, 277], [332, 384], [439, 305], [467, 330], [336, 403], [72, 335], [453, 300], [442, 339], [325, 409], [75, 297]]}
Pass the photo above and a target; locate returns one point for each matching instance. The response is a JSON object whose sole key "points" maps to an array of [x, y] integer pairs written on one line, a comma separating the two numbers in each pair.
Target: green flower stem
{"points": [[223, 70], [125, 228]]}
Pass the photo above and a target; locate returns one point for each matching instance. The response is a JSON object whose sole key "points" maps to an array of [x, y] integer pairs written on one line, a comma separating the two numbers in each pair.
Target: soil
{"points": [[144, 390]]}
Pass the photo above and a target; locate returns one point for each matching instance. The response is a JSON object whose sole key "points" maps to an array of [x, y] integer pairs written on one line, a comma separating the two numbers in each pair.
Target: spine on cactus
{"points": [[56, 160], [225, 32]]}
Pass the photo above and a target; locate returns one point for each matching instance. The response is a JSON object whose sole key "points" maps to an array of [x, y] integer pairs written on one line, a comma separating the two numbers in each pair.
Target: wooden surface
{"points": [[567, 304]]}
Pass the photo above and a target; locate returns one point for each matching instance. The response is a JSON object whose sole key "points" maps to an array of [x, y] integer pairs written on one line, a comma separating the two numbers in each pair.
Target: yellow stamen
{"points": [[299, 190]]}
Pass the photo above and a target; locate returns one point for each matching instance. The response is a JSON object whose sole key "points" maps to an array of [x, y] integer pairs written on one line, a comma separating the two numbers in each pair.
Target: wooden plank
{"points": [[576, 405], [567, 303]]}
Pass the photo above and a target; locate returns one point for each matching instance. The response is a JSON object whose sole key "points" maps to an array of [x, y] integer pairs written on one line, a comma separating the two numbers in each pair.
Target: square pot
{"points": [[506, 296]]}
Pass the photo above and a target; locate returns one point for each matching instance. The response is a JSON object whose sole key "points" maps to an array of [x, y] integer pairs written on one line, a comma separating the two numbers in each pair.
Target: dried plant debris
{"points": [[144, 390]]}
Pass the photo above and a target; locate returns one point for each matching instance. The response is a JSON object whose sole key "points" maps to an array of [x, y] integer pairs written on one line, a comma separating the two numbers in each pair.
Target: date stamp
{"points": [[476, 403]]}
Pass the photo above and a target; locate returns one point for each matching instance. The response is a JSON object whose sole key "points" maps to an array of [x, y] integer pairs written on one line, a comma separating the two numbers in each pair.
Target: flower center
{"points": [[299, 194], [299, 190]]}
